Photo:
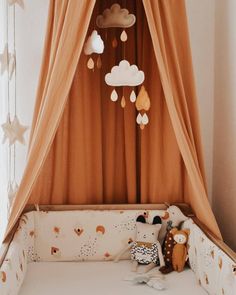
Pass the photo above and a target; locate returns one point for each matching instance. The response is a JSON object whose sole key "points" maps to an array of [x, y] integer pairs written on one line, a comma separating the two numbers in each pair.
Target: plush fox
{"points": [[179, 255]]}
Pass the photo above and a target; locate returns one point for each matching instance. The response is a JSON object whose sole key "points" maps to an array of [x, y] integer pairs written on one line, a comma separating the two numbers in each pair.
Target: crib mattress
{"points": [[72, 278]]}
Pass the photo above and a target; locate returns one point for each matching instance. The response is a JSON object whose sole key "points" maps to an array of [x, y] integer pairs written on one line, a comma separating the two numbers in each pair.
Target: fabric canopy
{"points": [[85, 150]]}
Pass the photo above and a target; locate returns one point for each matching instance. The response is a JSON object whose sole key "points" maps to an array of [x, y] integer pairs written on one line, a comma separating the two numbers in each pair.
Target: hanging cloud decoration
{"points": [[94, 44], [125, 75], [115, 17]]}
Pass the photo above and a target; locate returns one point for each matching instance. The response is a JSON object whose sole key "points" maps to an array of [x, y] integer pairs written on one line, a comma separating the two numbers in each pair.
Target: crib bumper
{"points": [[99, 235]]}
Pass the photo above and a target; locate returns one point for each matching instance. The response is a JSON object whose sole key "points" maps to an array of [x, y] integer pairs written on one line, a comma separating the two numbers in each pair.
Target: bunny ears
{"points": [[142, 219]]}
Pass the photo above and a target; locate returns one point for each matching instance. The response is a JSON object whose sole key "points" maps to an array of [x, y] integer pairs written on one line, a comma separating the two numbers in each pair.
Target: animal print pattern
{"points": [[145, 254]]}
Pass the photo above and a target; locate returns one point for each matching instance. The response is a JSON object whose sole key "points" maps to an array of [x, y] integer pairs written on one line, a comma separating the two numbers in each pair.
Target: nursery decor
{"points": [[179, 256], [124, 75], [4, 59], [13, 130], [116, 17], [103, 228], [111, 154], [7, 60], [18, 130], [19, 2], [142, 105], [8, 131], [93, 153], [146, 249], [174, 219], [94, 44], [153, 280]]}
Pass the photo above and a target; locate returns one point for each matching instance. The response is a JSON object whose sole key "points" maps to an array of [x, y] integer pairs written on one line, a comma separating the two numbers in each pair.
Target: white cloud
{"points": [[115, 17], [94, 44], [125, 75]]}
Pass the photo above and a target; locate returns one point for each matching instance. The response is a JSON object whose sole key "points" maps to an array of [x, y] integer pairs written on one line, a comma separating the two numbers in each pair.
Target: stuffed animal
{"points": [[146, 249], [155, 281], [179, 256], [174, 218]]}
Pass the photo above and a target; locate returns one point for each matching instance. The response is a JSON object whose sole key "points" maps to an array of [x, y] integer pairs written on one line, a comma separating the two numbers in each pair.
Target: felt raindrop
{"points": [[124, 36], [99, 62], [123, 102], [90, 64], [132, 96], [114, 95], [114, 42], [143, 105]]}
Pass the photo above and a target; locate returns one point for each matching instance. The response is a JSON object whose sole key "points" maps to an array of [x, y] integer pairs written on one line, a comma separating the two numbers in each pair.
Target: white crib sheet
{"points": [[105, 278]]}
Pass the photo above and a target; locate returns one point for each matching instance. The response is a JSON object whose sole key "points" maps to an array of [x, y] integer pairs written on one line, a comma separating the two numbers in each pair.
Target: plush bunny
{"points": [[146, 249]]}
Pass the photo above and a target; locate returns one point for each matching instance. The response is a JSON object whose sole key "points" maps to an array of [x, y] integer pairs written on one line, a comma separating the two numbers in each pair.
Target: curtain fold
{"points": [[171, 45], [99, 154], [67, 28], [86, 149]]}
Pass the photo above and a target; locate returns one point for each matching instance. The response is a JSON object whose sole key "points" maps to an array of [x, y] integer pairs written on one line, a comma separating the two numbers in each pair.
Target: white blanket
{"points": [[95, 278]]}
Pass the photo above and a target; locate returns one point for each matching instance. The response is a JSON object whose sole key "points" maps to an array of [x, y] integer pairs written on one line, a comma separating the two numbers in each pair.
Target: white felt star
{"points": [[4, 59], [18, 130], [19, 2], [8, 131]]}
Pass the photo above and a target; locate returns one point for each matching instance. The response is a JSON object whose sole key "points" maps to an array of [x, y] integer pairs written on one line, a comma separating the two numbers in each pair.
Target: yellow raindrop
{"points": [[123, 102]]}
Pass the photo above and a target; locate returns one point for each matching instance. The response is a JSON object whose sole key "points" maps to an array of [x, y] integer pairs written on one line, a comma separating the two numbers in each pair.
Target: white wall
{"points": [[224, 170], [30, 30], [201, 18]]}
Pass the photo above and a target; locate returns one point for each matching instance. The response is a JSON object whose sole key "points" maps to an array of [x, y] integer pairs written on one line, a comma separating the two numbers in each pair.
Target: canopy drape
{"points": [[85, 149]]}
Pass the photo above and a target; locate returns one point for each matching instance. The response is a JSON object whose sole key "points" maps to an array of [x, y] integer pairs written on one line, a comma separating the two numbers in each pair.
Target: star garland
{"points": [[19, 2], [13, 130]]}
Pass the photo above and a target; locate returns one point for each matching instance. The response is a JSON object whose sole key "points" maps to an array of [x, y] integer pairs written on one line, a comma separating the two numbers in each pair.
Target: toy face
{"points": [[147, 232], [180, 238]]}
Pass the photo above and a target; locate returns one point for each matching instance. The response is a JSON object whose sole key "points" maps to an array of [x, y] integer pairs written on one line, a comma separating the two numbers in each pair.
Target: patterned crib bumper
{"points": [[99, 235]]}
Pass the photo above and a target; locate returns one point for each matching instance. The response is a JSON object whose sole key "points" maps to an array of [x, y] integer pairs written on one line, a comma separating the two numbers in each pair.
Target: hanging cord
{"points": [[14, 52], [15, 102], [8, 86], [8, 98]]}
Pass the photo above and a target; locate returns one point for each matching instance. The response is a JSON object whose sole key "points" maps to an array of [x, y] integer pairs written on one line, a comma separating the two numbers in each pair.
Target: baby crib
{"points": [[68, 249]]}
